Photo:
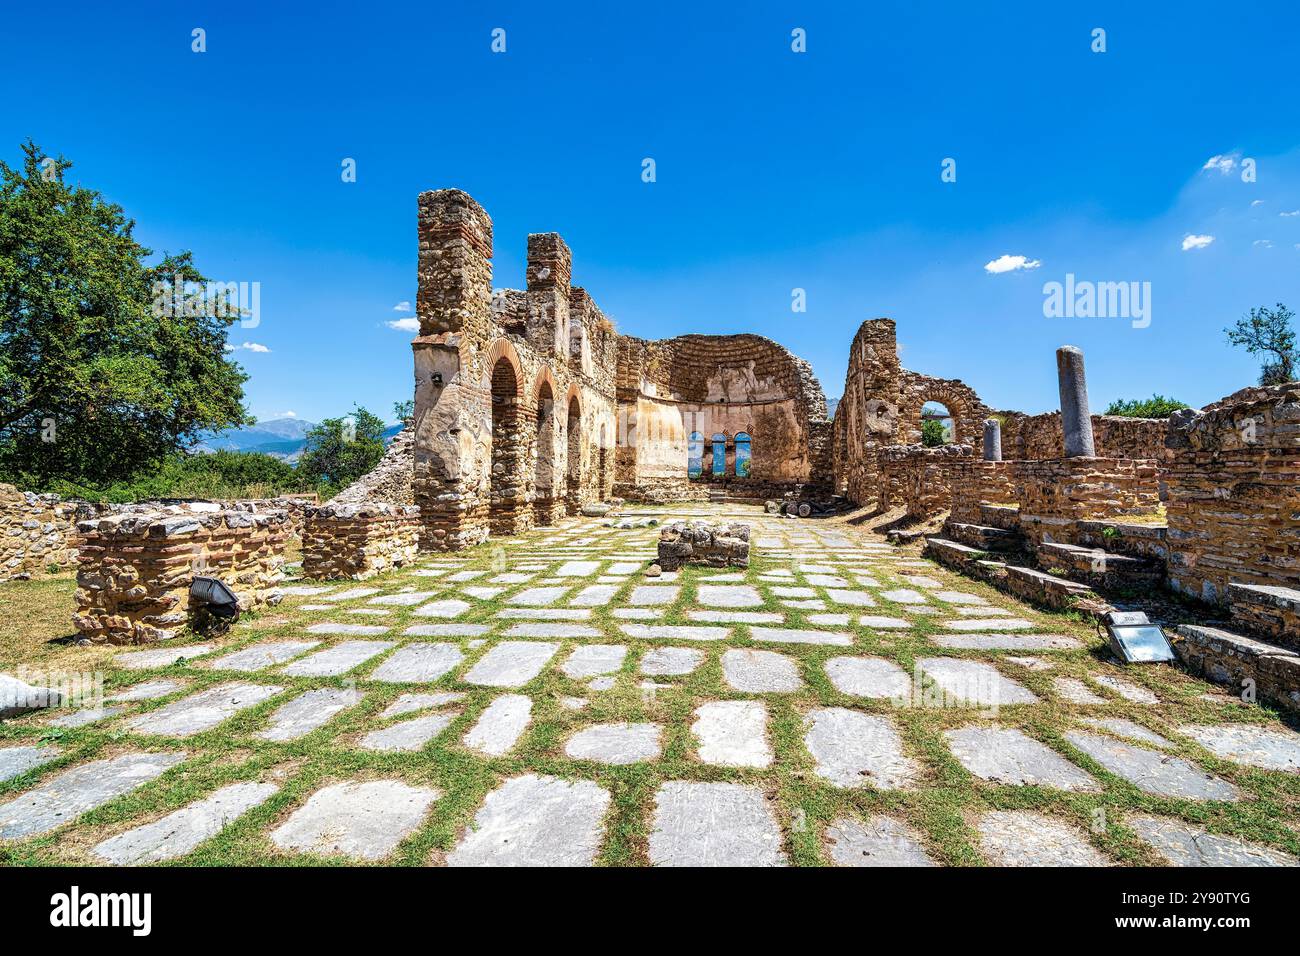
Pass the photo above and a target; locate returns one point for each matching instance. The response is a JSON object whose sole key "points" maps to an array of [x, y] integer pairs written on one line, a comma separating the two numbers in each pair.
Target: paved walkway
{"points": [[541, 701]]}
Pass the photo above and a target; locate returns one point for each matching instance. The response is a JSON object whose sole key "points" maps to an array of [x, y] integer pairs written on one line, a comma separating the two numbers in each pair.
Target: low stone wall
{"points": [[1269, 611], [1039, 437], [698, 542], [919, 479], [1055, 495], [36, 532], [358, 540], [390, 481], [135, 568], [975, 482], [1234, 493], [1242, 664]]}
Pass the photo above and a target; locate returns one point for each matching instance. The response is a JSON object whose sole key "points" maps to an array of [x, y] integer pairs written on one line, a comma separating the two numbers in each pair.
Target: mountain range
{"points": [[279, 437]]}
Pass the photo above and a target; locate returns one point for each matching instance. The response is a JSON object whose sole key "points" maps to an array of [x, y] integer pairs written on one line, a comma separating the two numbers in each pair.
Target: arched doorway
{"points": [[506, 481], [695, 455], [573, 475], [744, 454], [544, 502]]}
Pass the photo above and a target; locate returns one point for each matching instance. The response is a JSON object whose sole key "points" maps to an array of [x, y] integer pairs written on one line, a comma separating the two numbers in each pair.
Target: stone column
{"points": [[1076, 418], [550, 266], [992, 439]]}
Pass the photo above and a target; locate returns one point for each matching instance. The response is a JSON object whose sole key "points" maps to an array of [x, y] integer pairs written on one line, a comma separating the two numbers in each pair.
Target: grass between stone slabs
{"points": [[941, 808]]}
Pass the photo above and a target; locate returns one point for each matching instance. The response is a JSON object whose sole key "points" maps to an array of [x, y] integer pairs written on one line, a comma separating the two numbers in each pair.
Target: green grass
{"points": [[942, 808]]}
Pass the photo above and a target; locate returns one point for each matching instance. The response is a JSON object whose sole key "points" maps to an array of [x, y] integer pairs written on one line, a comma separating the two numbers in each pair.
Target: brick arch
{"points": [[964, 407], [502, 348], [545, 377]]}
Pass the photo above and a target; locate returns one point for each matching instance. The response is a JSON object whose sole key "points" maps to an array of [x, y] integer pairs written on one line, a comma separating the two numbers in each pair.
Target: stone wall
{"points": [[1039, 437], [36, 532], [919, 479], [1234, 493], [700, 542], [358, 541], [1057, 494], [390, 480], [135, 568], [975, 482]]}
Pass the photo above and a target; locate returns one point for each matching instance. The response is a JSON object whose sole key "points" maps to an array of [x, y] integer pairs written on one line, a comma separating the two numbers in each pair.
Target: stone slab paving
{"points": [[418, 662], [670, 632], [873, 677], [403, 598], [904, 596], [850, 598], [448, 630], [83, 716], [410, 703], [352, 594], [759, 672], [990, 624], [1153, 772], [536, 820], [73, 792], [364, 820], [501, 725], [408, 735], [884, 623], [1249, 745], [15, 761], [163, 656], [511, 663], [360, 630], [447, 607], [202, 711], [308, 712], [733, 733], [654, 594], [880, 841], [257, 656], [1075, 691], [1009, 757], [1129, 691], [713, 824], [671, 661], [538, 597], [618, 744], [592, 660], [974, 682], [181, 832], [728, 595], [1184, 845], [1126, 728], [336, 660], [852, 749], [544, 614], [1023, 838], [737, 617], [145, 690], [543, 629], [595, 595], [782, 635], [996, 642]]}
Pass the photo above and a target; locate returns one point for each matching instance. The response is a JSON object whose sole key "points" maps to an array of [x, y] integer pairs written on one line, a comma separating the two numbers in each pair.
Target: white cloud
{"points": [[1257, 202], [1006, 263], [247, 347], [402, 306], [409, 324], [1266, 243], [1196, 242], [275, 415], [1223, 164], [1293, 212]]}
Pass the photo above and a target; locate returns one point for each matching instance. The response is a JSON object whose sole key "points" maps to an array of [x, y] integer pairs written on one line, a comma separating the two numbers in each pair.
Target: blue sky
{"points": [[775, 171]]}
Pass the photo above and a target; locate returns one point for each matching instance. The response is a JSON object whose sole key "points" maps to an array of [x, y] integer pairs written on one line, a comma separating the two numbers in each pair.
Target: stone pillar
{"points": [[992, 439], [1076, 418], [452, 442], [550, 267]]}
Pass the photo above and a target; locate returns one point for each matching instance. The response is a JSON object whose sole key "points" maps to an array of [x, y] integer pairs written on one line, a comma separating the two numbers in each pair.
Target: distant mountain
{"points": [[280, 437], [831, 405]]}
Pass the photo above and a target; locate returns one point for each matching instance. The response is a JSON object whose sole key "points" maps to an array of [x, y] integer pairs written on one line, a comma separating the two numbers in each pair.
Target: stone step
{"points": [[1251, 668], [984, 537], [1006, 517], [1100, 568], [1048, 589], [1271, 611], [952, 553]]}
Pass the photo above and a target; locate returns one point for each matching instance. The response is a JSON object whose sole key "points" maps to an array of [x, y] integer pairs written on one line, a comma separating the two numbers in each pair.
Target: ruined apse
{"points": [[529, 404]]}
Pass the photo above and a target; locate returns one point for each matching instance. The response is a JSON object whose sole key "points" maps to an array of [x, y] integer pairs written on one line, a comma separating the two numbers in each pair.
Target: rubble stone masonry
{"points": [[135, 568], [976, 482], [919, 479], [358, 541], [1057, 494], [35, 532]]}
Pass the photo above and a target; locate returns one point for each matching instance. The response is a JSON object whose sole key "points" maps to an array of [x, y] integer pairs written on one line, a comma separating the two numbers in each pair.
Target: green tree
{"points": [[404, 412], [341, 450], [933, 433], [100, 376], [1157, 406], [1268, 332]]}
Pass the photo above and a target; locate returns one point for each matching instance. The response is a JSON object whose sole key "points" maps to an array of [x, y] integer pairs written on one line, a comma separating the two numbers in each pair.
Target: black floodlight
{"points": [[217, 598], [1135, 640]]}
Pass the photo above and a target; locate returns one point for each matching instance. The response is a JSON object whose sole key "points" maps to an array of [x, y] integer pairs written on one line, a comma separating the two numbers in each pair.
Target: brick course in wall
{"points": [[1057, 494], [1234, 493], [135, 568], [358, 541]]}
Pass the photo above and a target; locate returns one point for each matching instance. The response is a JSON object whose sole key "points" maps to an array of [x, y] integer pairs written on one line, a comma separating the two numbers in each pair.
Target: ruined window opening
{"points": [[695, 455], [937, 426], [719, 454], [744, 454]]}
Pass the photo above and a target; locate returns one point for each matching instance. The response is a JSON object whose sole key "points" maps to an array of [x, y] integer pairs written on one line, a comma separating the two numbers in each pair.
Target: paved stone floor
{"points": [[541, 701]]}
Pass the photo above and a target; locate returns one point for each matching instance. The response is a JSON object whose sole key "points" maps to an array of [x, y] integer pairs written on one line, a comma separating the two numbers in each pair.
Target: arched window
{"points": [[937, 427], [719, 454], [743, 454], [695, 456]]}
